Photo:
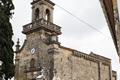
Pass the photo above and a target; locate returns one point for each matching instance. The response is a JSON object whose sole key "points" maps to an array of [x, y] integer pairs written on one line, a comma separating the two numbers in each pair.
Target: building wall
{"points": [[105, 73], [117, 24], [114, 75], [69, 64], [118, 37], [113, 78], [85, 69], [80, 67], [25, 55], [112, 18]]}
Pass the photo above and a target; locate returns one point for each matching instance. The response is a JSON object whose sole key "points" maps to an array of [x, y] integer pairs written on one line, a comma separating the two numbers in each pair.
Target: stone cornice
{"points": [[92, 58], [102, 58], [41, 24], [50, 2]]}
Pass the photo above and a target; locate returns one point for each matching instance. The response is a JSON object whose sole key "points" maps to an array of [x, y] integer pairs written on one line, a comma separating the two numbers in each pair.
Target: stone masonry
{"points": [[43, 58]]}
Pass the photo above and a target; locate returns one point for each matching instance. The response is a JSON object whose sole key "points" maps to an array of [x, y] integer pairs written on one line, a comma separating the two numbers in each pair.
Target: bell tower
{"points": [[42, 9], [42, 20], [36, 57]]}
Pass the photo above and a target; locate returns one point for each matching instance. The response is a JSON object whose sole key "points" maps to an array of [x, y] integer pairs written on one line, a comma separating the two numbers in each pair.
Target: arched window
{"points": [[37, 14], [47, 16], [32, 63]]}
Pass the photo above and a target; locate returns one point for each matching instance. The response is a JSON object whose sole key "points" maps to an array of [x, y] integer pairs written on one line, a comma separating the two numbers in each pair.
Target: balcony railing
{"points": [[41, 24]]}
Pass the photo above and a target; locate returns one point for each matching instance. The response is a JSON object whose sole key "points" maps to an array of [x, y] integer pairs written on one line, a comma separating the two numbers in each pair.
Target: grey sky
{"points": [[75, 34]]}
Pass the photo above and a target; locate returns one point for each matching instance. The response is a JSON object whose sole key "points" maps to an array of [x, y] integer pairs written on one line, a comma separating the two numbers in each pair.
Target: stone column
{"points": [[52, 51]]}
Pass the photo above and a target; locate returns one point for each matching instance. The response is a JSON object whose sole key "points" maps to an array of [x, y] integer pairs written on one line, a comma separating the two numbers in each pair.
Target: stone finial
{"points": [[18, 45]]}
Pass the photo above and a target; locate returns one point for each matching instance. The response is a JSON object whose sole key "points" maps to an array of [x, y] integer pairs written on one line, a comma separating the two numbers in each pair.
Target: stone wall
{"points": [[24, 56], [72, 65], [69, 64], [61, 62], [114, 75], [84, 69]]}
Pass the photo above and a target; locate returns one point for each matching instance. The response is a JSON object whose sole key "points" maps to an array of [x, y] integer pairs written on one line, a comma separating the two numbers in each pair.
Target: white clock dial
{"points": [[33, 50]]}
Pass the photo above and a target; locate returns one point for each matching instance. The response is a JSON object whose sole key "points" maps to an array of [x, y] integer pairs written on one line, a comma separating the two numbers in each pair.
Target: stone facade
{"points": [[110, 9], [114, 75], [43, 58]]}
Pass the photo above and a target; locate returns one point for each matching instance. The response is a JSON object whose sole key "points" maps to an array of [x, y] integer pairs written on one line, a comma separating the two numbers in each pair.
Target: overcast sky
{"points": [[75, 34]]}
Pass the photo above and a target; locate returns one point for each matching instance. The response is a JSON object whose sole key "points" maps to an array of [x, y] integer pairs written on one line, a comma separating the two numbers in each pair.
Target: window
{"points": [[37, 14], [47, 16], [32, 63]]}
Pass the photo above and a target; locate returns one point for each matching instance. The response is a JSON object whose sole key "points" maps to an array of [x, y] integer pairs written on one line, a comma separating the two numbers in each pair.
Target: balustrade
{"points": [[41, 23]]}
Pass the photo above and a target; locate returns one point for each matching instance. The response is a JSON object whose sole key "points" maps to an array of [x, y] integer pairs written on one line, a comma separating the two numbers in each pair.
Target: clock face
{"points": [[32, 50]]}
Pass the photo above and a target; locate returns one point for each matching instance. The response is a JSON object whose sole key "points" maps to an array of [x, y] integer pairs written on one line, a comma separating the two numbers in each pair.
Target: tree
{"points": [[6, 43]]}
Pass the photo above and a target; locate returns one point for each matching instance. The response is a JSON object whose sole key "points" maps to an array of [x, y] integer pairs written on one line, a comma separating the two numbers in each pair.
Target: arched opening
{"points": [[37, 14], [47, 16], [32, 63]]}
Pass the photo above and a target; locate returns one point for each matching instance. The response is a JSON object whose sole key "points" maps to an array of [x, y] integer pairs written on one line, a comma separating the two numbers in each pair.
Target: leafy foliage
{"points": [[6, 43]]}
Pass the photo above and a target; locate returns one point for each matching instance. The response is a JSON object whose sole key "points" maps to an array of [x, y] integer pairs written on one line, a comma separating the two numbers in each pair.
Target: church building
{"points": [[42, 57]]}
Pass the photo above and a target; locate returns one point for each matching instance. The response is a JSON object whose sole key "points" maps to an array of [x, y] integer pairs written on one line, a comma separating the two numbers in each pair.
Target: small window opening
{"points": [[32, 63], [37, 14], [47, 16]]}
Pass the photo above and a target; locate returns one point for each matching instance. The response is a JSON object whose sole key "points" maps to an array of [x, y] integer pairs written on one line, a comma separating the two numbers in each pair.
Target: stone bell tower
{"points": [[42, 9], [42, 18], [35, 59]]}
